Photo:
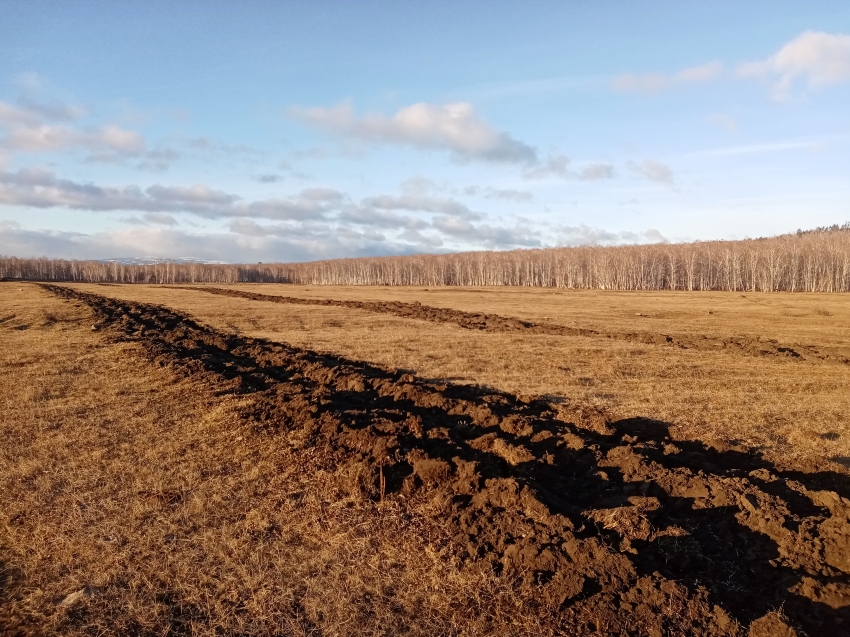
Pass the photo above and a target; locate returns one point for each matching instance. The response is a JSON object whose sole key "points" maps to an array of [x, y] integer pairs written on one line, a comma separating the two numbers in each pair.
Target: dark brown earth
{"points": [[624, 529], [497, 323]]}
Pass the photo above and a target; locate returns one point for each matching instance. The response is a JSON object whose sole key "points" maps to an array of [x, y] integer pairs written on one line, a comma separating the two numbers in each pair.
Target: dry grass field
{"points": [[145, 492], [775, 403], [164, 477]]}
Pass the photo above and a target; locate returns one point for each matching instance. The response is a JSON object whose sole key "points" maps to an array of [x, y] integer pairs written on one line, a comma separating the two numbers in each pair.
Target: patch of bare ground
{"points": [[136, 499], [782, 404], [608, 526]]}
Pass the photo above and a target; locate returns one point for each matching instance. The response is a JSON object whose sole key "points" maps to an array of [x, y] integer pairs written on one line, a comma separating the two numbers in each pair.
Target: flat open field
{"points": [[270, 459]]}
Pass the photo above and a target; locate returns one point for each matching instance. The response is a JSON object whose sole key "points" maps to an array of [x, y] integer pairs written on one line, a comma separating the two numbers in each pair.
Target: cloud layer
{"points": [[314, 223], [247, 241]]}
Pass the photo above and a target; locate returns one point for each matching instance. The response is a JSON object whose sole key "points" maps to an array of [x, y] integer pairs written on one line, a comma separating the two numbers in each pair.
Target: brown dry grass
{"points": [[784, 406], [820, 318], [146, 492]]}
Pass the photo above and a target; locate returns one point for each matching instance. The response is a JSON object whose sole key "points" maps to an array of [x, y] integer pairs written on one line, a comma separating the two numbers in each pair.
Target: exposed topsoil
{"points": [[497, 323], [622, 529]]}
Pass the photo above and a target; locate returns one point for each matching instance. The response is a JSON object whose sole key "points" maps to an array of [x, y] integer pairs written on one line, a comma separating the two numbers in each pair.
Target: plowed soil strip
{"points": [[497, 323], [621, 528]]}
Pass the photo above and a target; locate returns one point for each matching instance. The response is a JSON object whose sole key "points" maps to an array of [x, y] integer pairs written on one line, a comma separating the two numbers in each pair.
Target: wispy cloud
{"points": [[818, 57], [38, 188], [421, 203], [598, 171], [151, 218], [560, 166], [810, 144], [654, 171], [269, 178], [702, 73], [52, 110], [100, 142], [209, 144], [505, 194], [555, 165], [589, 235], [724, 121], [160, 218], [657, 82]]}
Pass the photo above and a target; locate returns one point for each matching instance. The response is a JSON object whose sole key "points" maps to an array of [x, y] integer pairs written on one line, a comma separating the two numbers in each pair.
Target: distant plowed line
{"points": [[506, 324], [615, 522]]}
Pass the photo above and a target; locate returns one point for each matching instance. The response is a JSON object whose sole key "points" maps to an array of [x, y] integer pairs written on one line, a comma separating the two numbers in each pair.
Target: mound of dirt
{"points": [[621, 528], [497, 323]]}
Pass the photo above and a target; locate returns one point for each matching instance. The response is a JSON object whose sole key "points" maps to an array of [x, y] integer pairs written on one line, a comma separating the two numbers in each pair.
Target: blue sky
{"points": [[263, 131]]}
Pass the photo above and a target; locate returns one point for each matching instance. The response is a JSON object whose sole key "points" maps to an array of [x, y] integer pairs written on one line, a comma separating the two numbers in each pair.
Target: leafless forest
{"points": [[807, 261]]}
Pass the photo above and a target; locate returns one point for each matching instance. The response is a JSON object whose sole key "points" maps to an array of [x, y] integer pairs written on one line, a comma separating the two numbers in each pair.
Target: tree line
{"points": [[808, 261]]}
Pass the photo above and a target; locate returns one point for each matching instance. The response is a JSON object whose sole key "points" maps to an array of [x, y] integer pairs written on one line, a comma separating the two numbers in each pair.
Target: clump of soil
{"points": [[622, 529], [497, 323]]}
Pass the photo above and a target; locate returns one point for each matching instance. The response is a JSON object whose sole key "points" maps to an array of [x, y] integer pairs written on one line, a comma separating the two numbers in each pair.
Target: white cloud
{"points": [[156, 218], [454, 127], [598, 171], [46, 137], [42, 189], [309, 204], [269, 178], [809, 144], [159, 159], [588, 235], [387, 219], [315, 211], [457, 128], [657, 82], [645, 83], [423, 203], [724, 121], [508, 194], [210, 145], [558, 165], [702, 73], [654, 171], [821, 58], [490, 236], [55, 111], [10, 114], [190, 196], [35, 127], [421, 242], [160, 218]]}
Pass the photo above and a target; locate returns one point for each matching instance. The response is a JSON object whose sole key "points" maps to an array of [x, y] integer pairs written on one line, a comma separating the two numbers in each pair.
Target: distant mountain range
{"points": [[158, 260]]}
